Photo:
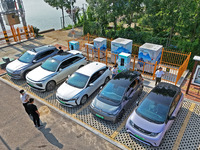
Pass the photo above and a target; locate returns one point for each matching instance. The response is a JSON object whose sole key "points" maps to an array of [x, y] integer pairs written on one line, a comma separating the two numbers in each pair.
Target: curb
{"points": [[107, 138]]}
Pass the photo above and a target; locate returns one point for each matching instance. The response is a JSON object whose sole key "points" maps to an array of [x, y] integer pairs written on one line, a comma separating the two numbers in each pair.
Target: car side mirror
{"points": [[34, 61], [172, 118], [68, 76], [60, 69], [91, 84], [101, 87]]}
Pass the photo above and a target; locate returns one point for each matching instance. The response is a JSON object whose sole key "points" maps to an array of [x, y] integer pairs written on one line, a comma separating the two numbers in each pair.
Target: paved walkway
{"points": [[17, 131]]}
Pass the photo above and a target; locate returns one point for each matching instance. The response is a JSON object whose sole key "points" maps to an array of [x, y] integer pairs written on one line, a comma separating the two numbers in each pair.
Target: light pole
{"points": [[72, 16]]}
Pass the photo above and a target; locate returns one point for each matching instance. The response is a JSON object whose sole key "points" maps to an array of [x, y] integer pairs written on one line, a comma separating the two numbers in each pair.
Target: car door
{"points": [[131, 94], [172, 111], [95, 80], [76, 62], [64, 70]]}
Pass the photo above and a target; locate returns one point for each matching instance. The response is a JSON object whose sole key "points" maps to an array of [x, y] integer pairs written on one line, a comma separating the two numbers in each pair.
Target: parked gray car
{"points": [[30, 60], [155, 114], [117, 96]]}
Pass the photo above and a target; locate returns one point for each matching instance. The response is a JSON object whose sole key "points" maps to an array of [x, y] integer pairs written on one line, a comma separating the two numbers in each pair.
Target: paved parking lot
{"points": [[184, 133]]}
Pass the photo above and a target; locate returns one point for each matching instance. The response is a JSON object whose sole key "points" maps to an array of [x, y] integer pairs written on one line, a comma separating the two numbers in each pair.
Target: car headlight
{"points": [[153, 134], [131, 123], [17, 72]]}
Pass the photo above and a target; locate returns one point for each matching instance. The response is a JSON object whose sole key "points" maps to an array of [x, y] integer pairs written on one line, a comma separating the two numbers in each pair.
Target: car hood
{"points": [[104, 107], [145, 124], [16, 65], [66, 91], [39, 74]]}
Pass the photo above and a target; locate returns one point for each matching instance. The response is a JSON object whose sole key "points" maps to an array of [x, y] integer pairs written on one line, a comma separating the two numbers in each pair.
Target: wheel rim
{"points": [[84, 99], [50, 86]]}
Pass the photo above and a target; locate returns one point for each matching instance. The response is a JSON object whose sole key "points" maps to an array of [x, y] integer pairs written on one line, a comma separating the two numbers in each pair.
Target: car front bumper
{"points": [[102, 115], [14, 76], [144, 138], [39, 86], [67, 103]]}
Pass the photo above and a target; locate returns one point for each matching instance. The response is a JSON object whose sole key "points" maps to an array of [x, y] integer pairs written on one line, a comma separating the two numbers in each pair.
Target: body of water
{"points": [[43, 16]]}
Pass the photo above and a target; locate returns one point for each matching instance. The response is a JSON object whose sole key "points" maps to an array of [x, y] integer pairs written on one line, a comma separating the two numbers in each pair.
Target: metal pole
{"points": [[72, 19], [189, 83], [4, 29], [21, 10]]}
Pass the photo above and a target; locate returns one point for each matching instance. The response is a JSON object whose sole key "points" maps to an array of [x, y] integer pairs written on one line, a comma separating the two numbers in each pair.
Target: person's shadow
{"points": [[50, 137]]}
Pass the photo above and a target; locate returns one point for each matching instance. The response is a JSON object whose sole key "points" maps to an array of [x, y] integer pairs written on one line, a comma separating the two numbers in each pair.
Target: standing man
{"points": [[114, 71], [24, 98], [159, 73], [34, 112]]}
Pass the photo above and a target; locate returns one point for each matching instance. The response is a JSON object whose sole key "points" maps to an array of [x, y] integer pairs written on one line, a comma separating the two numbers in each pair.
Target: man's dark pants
{"points": [[158, 80], [26, 109], [36, 119]]}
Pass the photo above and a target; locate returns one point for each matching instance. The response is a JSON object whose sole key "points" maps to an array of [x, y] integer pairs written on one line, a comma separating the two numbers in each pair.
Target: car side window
{"points": [[47, 53], [173, 106], [75, 59], [96, 75], [65, 64], [131, 88]]}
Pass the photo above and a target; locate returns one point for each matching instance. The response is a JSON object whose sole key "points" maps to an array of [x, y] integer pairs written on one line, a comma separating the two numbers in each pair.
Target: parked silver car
{"points": [[55, 70], [30, 60]]}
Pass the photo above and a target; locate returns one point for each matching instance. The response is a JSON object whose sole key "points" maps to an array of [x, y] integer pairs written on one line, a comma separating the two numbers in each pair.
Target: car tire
{"points": [[83, 99], [106, 80], [119, 117], [50, 85]]}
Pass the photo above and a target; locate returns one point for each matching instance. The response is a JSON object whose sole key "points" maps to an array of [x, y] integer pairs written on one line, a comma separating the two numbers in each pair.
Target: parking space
{"points": [[189, 137]]}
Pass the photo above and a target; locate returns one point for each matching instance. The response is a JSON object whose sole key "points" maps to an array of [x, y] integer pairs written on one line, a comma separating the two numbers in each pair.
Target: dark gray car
{"points": [[30, 60], [117, 96]]}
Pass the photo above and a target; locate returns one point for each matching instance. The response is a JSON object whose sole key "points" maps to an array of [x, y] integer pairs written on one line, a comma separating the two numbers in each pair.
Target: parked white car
{"points": [[82, 83], [55, 70]]}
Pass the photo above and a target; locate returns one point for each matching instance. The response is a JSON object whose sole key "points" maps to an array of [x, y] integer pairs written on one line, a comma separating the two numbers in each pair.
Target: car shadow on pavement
{"points": [[50, 137]]}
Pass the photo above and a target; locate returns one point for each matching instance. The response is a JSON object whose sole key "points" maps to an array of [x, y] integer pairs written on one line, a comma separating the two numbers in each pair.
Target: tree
{"points": [[62, 4]]}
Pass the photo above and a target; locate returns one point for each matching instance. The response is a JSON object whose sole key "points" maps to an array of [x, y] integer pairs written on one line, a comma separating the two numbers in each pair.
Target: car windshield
{"points": [[156, 105], [113, 91], [27, 57], [77, 80], [50, 65]]}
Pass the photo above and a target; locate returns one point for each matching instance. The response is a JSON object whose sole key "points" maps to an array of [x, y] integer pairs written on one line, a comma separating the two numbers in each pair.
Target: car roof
{"points": [[125, 77], [62, 56], [90, 68], [42, 48], [164, 93]]}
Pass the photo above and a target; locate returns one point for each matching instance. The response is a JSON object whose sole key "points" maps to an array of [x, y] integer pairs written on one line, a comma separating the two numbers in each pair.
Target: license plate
{"points": [[9, 74], [61, 101], [100, 116], [139, 137]]}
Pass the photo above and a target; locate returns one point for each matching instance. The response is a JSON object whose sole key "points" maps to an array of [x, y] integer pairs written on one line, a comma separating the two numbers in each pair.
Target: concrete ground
{"points": [[18, 132]]}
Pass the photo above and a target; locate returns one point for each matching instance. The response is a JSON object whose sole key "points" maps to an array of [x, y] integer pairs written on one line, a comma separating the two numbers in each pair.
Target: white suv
{"points": [[82, 84], [55, 70]]}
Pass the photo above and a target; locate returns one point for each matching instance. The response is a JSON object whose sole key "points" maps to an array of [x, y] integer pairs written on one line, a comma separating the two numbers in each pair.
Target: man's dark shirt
{"points": [[32, 108]]}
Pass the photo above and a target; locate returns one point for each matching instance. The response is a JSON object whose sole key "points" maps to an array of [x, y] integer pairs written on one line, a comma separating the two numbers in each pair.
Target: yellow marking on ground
{"points": [[182, 130], [83, 107], [74, 116], [49, 95], [119, 128]]}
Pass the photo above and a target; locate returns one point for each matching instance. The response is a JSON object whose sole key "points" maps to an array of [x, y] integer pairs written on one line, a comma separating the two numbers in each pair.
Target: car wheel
{"points": [[119, 117], [84, 99], [25, 73], [106, 80], [80, 66], [50, 85]]}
